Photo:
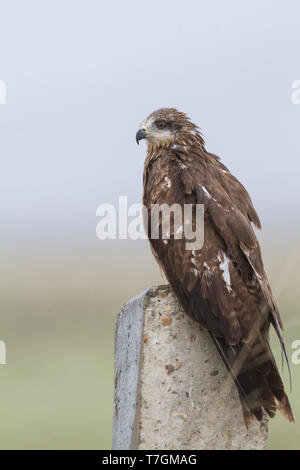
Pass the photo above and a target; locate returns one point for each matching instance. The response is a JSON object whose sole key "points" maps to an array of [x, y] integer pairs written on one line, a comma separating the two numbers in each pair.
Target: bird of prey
{"points": [[222, 285]]}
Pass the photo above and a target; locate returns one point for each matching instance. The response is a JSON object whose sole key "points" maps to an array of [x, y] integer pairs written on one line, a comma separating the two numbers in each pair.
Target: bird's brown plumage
{"points": [[235, 306]]}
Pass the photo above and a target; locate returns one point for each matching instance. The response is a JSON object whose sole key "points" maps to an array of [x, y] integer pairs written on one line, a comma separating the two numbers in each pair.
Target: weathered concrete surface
{"points": [[172, 390], [128, 351]]}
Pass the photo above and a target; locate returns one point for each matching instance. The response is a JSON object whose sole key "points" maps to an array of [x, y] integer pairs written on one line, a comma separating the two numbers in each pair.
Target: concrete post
{"points": [[172, 390]]}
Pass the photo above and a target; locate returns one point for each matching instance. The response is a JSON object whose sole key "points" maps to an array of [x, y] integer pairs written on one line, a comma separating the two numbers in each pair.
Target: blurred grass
{"points": [[57, 319]]}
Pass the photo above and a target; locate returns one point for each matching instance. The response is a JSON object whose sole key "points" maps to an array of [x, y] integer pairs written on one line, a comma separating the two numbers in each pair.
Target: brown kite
{"points": [[223, 284]]}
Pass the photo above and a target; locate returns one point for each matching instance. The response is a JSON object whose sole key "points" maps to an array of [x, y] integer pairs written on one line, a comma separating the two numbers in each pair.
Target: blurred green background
{"points": [[58, 324]]}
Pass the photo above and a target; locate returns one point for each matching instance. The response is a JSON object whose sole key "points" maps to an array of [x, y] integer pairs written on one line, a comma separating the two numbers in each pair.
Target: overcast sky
{"points": [[82, 75]]}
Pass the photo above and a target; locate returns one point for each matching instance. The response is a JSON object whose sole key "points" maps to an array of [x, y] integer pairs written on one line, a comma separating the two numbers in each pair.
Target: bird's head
{"points": [[164, 127]]}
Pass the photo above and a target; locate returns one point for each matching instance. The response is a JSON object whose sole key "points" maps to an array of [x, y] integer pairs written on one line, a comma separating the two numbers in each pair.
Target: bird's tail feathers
{"points": [[256, 376]]}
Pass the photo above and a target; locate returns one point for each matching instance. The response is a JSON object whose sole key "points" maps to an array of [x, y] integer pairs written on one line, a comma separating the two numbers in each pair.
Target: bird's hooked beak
{"points": [[141, 134]]}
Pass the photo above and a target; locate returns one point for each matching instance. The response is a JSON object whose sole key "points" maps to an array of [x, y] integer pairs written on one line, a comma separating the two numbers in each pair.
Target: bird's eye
{"points": [[160, 124]]}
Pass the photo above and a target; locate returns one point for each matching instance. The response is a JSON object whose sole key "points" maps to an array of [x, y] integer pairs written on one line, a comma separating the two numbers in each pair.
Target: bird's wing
{"points": [[223, 284], [227, 273]]}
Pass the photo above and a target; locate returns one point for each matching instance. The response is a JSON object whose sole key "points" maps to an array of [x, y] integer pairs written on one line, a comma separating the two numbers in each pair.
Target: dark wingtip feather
{"points": [[277, 328], [285, 408]]}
